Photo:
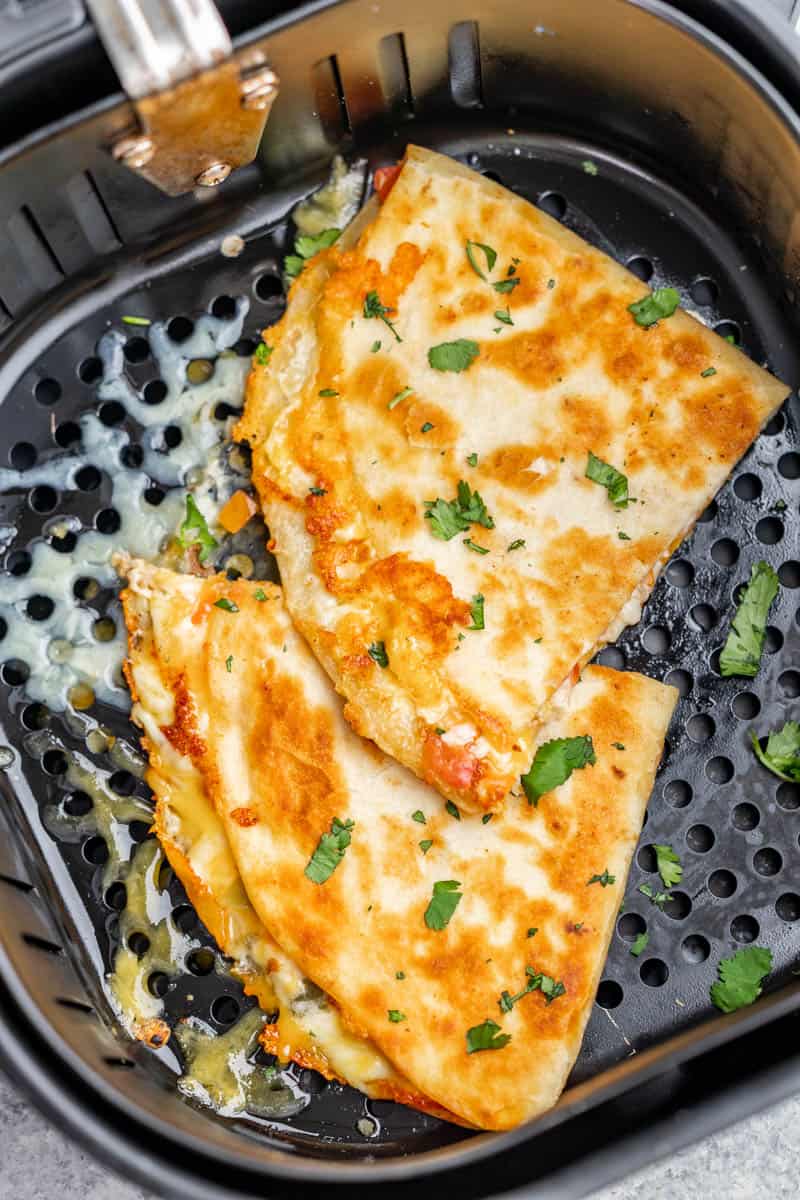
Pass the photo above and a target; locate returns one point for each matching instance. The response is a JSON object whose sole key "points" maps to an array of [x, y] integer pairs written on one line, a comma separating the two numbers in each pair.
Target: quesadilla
{"points": [[476, 440], [305, 1027], [467, 949]]}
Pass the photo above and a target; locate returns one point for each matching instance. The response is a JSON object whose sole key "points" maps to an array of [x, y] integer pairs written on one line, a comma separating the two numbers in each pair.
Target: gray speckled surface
{"points": [[761, 1153]]}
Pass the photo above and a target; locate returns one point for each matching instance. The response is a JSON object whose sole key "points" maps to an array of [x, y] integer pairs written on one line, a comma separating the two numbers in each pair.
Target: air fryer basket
{"points": [[697, 161]]}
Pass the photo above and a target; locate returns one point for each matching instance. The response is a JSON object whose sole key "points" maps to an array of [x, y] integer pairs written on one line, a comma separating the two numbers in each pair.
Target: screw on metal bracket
{"points": [[213, 175], [134, 152], [259, 89]]}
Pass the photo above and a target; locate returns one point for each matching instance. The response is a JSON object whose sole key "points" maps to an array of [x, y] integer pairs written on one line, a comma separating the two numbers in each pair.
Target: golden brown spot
{"points": [[182, 733], [244, 817], [510, 465], [535, 357]]}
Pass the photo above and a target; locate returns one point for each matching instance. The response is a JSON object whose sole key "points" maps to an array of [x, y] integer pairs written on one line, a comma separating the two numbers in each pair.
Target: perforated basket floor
{"points": [[734, 825]]}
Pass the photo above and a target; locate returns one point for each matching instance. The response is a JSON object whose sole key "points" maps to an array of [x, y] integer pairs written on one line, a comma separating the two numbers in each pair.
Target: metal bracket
{"points": [[201, 112]]}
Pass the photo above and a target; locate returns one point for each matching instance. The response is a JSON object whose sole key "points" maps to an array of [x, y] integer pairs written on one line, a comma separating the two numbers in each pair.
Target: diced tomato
{"points": [[453, 766], [237, 511], [385, 179]]}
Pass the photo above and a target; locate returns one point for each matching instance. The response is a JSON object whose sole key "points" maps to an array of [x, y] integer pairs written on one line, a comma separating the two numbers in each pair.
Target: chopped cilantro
{"points": [[425, 845], [306, 247], [532, 932], [486, 818], [374, 308], [551, 283], [553, 764], [589, 167], [377, 652], [293, 265], [329, 852], [623, 537], [263, 353], [399, 974], [472, 459], [618, 745], [657, 898], [615, 483], [740, 978], [517, 544], [489, 254], [194, 530], [782, 752], [486, 1036], [453, 356], [375, 347], [137, 321], [639, 943], [669, 865], [741, 654], [504, 286], [476, 549], [328, 392], [439, 731], [443, 903], [604, 880], [226, 604], [476, 612], [655, 306], [449, 517], [730, 337], [395, 1015], [419, 817], [709, 371], [398, 399], [504, 315], [426, 428], [451, 808], [577, 927], [259, 594], [318, 491], [229, 663], [549, 987]]}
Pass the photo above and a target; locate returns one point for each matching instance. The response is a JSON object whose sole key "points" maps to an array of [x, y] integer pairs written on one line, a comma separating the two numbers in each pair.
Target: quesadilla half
{"points": [[474, 458], [306, 1027], [467, 950]]}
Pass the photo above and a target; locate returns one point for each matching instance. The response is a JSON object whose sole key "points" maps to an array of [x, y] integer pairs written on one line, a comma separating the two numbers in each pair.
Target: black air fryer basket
{"points": [[688, 114]]}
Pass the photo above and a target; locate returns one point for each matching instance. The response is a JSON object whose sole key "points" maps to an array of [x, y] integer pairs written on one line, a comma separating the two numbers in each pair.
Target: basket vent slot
{"points": [[20, 884], [40, 943], [464, 55], [75, 1005], [28, 264], [395, 75], [91, 214], [330, 100]]}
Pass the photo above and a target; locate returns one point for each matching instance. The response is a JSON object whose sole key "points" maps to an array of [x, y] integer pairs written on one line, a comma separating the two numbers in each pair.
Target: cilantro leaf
{"points": [[655, 306], [489, 254], [449, 517], [318, 491], [426, 428], [453, 356], [615, 483], [293, 265], [472, 459], [741, 654], [399, 974], [375, 347], [709, 371], [377, 652], [504, 315], [657, 898], [505, 285], [669, 865], [486, 1036], [740, 978], [553, 764], [226, 605], [443, 903], [194, 530], [782, 752], [589, 167], [403, 395], [532, 931], [419, 817], [474, 547], [326, 393], [229, 663], [262, 354], [476, 612], [639, 943], [604, 880], [452, 810], [374, 308], [395, 1015], [517, 544], [305, 247], [329, 852], [259, 594], [425, 845], [486, 818], [549, 987]]}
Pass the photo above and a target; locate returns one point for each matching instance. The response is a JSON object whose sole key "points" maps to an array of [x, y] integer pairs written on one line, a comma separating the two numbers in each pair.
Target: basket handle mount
{"points": [[199, 109]]}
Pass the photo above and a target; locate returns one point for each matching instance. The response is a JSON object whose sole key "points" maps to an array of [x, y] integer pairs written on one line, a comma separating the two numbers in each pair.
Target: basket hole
{"points": [[680, 573], [681, 680], [199, 371], [611, 656], [552, 203], [656, 639], [744, 928], [745, 817], [85, 588], [775, 425], [695, 948], [43, 944], [728, 330], [47, 391], [224, 1010], [35, 716], [139, 830], [78, 804], [610, 994], [158, 984], [722, 884], [200, 962], [789, 574], [787, 906], [64, 544], [54, 762], [15, 672], [112, 413], [95, 851], [43, 499], [268, 286], [68, 433], [123, 783], [719, 769], [789, 684], [172, 436], [39, 608], [131, 456], [154, 391], [184, 918], [704, 616], [773, 640], [19, 562], [107, 520], [746, 706], [769, 530], [789, 465], [224, 307], [116, 896], [225, 410], [154, 495], [136, 349], [747, 486], [22, 456], [90, 370], [87, 479], [708, 514], [725, 552], [700, 727], [678, 793], [245, 347], [3, 629], [678, 906], [641, 267], [704, 291], [630, 926], [180, 328], [700, 838], [788, 796], [138, 943], [654, 972], [646, 858], [767, 861]]}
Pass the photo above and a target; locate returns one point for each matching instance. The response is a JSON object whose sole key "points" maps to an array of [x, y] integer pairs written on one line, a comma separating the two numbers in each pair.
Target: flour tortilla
{"points": [[344, 469]]}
